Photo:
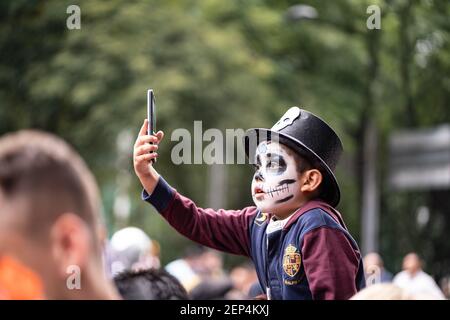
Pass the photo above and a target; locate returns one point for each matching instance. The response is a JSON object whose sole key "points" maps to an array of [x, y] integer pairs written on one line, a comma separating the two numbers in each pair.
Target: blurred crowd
{"points": [[412, 283], [201, 274], [198, 275], [53, 244]]}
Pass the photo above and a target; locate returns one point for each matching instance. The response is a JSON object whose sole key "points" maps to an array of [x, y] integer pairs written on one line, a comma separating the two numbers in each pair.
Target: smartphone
{"points": [[151, 114]]}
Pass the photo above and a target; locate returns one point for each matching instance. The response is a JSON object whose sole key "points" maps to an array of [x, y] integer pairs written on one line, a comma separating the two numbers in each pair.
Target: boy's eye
{"points": [[276, 165], [273, 165]]}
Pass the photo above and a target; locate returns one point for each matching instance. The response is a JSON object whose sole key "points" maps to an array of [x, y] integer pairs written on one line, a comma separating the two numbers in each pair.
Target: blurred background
{"points": [[241, 64]]}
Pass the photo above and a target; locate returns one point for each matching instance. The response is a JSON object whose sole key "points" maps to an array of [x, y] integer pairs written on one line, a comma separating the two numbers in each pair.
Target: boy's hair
{"points": [[151, 284], [43, 177], [303, 164]]}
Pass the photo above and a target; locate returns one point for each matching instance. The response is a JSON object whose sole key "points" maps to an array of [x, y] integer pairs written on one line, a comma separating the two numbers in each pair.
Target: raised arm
{"points": [[225, 230]]}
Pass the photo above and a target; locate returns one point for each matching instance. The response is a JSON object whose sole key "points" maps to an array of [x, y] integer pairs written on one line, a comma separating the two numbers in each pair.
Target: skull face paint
{"points": [[275, 184]]}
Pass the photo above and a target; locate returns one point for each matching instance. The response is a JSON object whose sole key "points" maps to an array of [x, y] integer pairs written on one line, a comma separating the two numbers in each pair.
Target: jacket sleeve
{"points": [[331, 264], [224, 230]]}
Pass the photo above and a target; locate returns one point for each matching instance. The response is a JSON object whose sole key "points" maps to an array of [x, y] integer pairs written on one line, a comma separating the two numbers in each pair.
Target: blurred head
{"points": [[193, 253], [283, 179], [49, 208], [412, 263], [133, 249], [204, 261], [243, 277], [151, 284], [212, 262], [372, 260]]}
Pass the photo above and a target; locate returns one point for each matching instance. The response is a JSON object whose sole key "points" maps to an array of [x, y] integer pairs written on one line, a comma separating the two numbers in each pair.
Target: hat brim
{"points": [[330, 192]]}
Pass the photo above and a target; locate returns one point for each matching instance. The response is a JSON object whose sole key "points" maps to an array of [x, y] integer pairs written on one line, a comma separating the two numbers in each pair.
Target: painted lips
{"points": [[258, 192]]}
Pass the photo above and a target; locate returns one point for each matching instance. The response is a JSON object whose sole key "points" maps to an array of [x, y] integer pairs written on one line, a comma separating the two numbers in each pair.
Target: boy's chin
{"points": [[270, 208], [280, 211]]}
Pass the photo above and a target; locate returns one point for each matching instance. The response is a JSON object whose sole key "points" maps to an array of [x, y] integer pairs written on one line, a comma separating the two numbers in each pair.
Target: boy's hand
{"points": [[142, 158]]}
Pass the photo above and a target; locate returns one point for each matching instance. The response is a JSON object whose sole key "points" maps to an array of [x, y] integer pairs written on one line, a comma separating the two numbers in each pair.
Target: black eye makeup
{"points": [[276, 164], [257, 165]]}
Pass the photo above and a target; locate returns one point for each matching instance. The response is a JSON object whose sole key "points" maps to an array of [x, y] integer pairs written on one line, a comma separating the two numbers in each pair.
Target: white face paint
{"points": [[275, 184]]}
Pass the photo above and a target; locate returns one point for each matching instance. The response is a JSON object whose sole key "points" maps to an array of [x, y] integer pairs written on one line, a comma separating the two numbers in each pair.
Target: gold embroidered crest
{"points": [[291, 261]]}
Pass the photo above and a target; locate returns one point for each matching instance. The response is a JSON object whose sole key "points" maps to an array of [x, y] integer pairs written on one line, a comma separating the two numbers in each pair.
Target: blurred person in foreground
{"points": [[49, 221], [415, 281], [150, 284], [298, 241], [374, 269], [131, 248]]}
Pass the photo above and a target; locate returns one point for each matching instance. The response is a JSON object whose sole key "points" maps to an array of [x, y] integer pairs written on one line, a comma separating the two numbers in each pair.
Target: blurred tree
{"points": [[88, 85]]}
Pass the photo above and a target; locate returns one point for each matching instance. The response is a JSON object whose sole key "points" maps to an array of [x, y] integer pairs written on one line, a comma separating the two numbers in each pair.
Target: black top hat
{"points": [[310, 137]]}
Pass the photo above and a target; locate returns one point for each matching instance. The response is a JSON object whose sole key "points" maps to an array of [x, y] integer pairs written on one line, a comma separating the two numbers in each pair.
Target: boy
{"points": [[297, 240], [49, 221]]}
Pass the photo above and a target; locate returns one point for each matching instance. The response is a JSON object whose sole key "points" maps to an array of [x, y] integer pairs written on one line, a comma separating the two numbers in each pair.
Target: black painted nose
{"points": [[258, 176]]}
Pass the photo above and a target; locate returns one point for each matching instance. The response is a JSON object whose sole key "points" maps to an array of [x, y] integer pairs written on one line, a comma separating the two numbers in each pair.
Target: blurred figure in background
{"points": [[415, 281], [445, 286], [200, 272], [382, 291], [374, 269], [131, 249], [183, 269], [243, 277], [151, 284], [209, 264], [49, 221]]}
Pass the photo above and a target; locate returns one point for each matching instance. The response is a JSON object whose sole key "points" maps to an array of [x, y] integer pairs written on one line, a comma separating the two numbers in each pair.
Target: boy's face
{"points": [[275, 185]]}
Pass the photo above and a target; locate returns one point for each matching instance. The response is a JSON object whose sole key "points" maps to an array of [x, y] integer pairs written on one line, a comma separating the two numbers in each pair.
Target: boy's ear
{"points": [[311, 180]]}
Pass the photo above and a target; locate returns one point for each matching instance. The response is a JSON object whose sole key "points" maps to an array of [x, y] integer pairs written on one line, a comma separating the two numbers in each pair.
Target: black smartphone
{"points": [[151, 111], [151, 114]]}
